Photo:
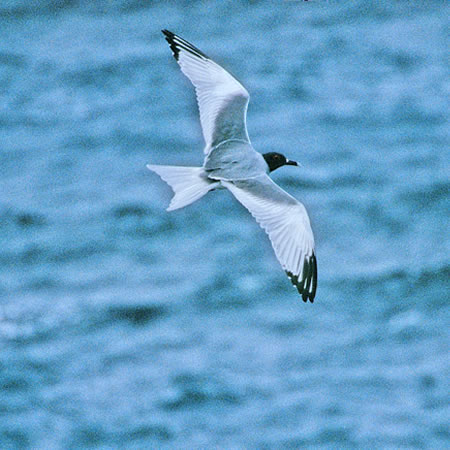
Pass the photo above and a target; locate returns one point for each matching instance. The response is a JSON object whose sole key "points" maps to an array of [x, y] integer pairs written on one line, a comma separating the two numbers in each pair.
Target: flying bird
{"points": [[232, 163]]}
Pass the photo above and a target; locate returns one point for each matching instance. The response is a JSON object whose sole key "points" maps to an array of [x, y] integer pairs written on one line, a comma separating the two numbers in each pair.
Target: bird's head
{"points": [[275, 160]]}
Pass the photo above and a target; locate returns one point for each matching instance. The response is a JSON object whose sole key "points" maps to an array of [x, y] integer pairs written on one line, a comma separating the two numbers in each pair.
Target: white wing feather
{"points": [[222, 100], [286, 222]]}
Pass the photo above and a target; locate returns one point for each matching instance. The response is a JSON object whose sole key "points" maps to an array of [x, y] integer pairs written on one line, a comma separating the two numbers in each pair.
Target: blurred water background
{"points": [[124, 326]]}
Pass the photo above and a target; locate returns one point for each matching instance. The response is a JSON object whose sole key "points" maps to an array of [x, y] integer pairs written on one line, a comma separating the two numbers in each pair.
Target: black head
{"points": [[275, 160]]}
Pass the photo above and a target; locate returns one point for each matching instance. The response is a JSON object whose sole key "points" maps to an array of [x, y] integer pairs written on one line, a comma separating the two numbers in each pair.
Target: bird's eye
{"points": [[277, 156]]}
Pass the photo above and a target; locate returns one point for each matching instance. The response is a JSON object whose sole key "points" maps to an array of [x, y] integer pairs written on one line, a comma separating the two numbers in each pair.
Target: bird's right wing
{"points": [[222, 100], [286, 222]]}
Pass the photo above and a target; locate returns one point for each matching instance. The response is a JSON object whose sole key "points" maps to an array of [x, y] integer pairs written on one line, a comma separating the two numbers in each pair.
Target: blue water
{"points": [[124, 326]]}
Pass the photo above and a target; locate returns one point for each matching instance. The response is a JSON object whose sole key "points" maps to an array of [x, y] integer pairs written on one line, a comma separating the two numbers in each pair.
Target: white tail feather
{"points": [[188, 183]]}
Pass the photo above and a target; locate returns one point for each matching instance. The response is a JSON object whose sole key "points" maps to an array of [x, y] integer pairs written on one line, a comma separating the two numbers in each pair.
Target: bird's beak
{"points": [[291, 163]]}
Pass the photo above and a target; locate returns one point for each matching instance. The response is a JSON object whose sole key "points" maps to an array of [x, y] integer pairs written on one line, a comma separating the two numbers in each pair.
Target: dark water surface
{"points": [[124, 326]]}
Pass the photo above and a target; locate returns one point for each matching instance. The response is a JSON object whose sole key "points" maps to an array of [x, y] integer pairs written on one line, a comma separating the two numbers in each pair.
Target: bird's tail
{"points": [[188, 183]]}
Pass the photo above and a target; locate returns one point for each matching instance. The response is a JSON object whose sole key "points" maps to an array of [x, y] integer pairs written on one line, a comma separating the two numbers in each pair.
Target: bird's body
{"points": [[234, 160], [231, 162]]}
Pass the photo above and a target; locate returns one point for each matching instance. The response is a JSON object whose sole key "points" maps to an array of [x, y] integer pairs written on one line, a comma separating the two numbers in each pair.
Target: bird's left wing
{"points": [[286, 222], [222, 100]]}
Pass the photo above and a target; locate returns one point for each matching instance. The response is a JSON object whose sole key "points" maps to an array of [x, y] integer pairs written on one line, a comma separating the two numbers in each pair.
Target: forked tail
{"points": [[188, 183]]}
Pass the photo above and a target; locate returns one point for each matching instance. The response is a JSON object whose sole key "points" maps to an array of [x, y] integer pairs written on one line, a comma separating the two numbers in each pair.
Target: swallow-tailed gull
{"points": [[232, 163]]}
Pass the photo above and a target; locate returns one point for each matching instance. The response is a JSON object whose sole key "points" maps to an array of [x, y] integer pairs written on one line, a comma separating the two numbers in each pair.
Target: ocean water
{"points": [[124, 326]]}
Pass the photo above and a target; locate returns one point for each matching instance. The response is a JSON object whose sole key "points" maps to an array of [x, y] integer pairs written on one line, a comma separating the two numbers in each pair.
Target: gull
{"points": [[232, 163]]}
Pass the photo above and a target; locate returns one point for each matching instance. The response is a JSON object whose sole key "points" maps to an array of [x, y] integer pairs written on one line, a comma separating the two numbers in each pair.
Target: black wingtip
{"points": [[168, 34], [177, 43], [307, 285], [314, 277], [170, 39]]}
